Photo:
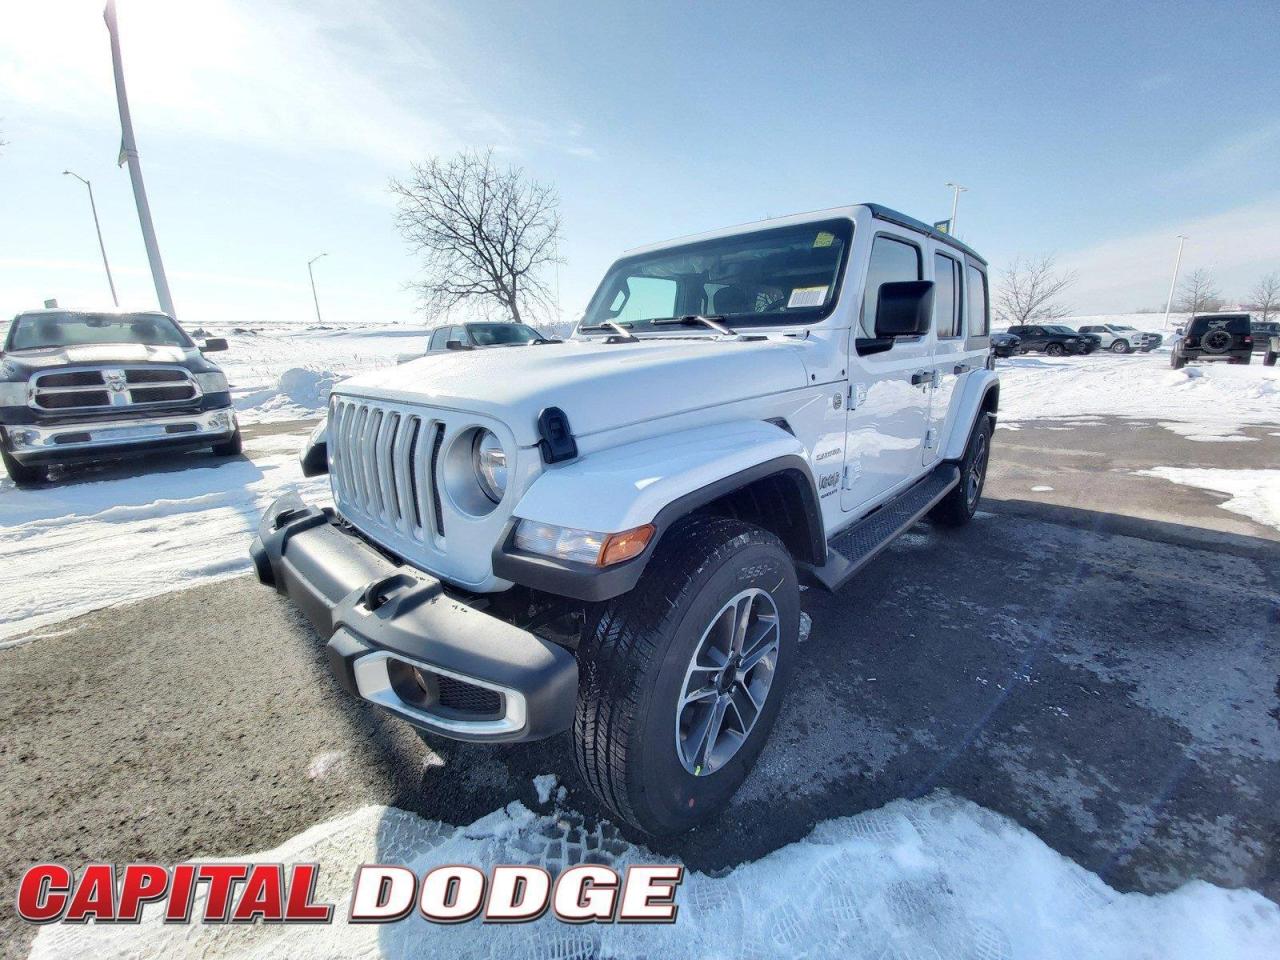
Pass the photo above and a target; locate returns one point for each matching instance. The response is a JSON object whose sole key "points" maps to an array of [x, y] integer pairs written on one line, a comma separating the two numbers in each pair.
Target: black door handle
{"points": [[961, 368], [920, 376]]}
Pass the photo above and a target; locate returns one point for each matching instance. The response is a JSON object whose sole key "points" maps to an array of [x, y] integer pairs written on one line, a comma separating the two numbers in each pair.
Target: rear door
{"points": [[950, 356], [886, 416]]}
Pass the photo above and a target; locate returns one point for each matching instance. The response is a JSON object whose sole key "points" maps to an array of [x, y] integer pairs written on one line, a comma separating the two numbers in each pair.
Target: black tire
{"points": [[1269, 359], [1177, 360], [231, 447], [1054, 350], [958, 507], [1121, 346], [634, 664], [21, 474]]}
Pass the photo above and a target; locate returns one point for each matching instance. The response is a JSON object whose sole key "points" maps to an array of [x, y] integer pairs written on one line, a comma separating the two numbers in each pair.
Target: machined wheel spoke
{"points": [[708, 734], [695, 696], [762, 650], [741, 622], [745, 707]]}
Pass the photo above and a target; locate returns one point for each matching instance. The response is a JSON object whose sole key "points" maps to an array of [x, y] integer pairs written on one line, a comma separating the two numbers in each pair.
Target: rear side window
{"points": [[978, 324], [891, 261], [946, 296]]}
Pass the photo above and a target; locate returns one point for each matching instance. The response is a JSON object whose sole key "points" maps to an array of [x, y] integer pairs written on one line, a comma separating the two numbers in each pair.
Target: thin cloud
{"points": [[1130, 272]]}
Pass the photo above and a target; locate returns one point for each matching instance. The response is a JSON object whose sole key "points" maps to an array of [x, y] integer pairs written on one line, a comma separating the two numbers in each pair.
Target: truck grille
{"points": [[112, 387], [384, 467]]}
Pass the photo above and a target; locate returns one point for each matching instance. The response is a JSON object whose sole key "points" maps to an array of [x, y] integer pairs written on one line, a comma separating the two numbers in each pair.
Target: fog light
{"points": [[582, 546], [24, 438]]}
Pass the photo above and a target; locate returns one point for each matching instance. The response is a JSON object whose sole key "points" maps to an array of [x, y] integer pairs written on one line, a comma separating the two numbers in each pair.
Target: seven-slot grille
{"points": [[98, 387], [384, 466]]}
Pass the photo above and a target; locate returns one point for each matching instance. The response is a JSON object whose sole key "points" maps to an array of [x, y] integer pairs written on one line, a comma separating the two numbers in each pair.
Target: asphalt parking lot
{"points": [[1098, 662]]}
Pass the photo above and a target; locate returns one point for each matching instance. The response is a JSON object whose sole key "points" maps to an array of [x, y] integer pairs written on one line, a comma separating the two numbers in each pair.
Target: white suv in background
{"points": [[1119, 338]]}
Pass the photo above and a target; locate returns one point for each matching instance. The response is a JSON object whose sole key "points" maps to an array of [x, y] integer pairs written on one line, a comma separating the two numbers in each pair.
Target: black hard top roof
{"points": [[881, 212]]}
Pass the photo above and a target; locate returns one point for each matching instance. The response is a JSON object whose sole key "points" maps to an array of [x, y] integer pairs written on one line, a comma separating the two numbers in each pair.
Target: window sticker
{"points": [[823, 239], [807, 297]]}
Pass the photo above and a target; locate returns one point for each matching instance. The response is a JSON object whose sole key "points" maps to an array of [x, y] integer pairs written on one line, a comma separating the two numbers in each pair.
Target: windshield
{"points": [[38, 331], [783, 275], [494, 334]]}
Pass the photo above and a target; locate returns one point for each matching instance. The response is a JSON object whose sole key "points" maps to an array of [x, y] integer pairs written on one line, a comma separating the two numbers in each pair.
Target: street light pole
{"points": [[311, 274], [129, 155], [955, 202], [1168, 305], [101, 246]]}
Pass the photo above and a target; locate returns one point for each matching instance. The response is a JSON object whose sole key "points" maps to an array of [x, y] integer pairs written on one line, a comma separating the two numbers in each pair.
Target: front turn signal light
{"points": [[625, 545]]}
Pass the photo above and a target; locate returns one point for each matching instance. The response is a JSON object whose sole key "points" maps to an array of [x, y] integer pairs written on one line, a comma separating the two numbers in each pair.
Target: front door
{"points": [[888, 406]]}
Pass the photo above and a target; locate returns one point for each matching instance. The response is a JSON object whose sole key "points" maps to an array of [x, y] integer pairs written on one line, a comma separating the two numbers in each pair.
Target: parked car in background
{"points": [[479, 335], [1054, 340], [1214, 336], [1004, 344], [81, 386], [1263, 331], [1119, 338]]}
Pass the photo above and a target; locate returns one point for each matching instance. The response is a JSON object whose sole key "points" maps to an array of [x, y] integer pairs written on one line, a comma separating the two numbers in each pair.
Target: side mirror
{"points": [[213, 345], [455, 345], [904, 309]]}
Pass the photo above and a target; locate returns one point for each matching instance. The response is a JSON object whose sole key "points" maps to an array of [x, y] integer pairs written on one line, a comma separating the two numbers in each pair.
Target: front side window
{"points": [[978, 322], [38, 331], [946, 296], [438, 339], [891, 261], [498, 334], [778, 276]]}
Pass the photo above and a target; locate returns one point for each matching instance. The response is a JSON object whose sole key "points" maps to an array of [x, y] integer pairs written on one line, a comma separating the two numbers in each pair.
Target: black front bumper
{"points": [[398, 640]]}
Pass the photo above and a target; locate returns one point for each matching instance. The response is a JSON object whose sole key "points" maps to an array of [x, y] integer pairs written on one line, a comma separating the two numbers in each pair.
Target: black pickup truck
{"points": [[81, 386]]}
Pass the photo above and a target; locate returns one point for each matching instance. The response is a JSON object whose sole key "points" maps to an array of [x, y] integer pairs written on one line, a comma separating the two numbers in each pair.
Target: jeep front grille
{"points": [[95, 388], [384, 468]]}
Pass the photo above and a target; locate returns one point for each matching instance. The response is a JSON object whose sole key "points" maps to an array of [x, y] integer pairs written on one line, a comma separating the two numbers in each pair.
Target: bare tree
{"points": [[1029, 291], [1198, 292], [485, 234], [1266, 295]]}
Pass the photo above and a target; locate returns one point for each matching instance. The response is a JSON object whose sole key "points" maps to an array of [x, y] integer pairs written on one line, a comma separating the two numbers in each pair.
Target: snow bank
{"points": [[1253, 493], [938, 877], [112, 541], [1212, 400]]}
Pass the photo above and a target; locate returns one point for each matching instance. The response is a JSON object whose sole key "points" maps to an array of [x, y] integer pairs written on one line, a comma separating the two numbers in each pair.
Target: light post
{"points": [[955, 202], [1168, 304], [94, 207], [311, 274]]}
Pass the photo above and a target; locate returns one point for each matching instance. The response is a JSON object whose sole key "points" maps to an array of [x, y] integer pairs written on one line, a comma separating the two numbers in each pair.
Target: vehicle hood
{"points": [[98, 353], [600, 386]]}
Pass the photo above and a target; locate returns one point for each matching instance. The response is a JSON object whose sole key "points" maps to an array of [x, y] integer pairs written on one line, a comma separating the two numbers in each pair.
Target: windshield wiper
{"points": [[713, 321], [617, 328]]}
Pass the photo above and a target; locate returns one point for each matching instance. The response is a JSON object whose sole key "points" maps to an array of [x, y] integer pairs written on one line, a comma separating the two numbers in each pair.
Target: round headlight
{"points": [[490, 462]]}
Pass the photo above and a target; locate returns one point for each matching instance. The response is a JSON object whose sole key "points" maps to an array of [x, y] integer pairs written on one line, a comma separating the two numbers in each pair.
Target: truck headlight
{"points": [[490, 463], [13, 394], [213, 382], [582, 546]]}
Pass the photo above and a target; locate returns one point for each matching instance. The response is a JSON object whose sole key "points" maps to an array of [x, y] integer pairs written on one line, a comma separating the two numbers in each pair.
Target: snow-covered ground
{"points": [[67, 550], [930, 878]]}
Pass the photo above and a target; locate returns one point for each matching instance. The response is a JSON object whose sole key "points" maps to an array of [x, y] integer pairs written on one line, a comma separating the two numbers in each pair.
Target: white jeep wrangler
{"points": [[607, 535]]}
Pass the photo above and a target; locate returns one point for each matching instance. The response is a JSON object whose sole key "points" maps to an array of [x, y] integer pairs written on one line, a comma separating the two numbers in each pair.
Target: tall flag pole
{"points": [[129, 155]]}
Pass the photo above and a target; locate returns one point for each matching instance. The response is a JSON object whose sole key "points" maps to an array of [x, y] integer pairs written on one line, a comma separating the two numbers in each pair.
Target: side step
{"points": [[852, 548]]}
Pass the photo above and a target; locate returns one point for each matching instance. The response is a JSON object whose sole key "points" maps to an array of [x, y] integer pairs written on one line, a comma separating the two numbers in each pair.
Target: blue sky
{"points": [[268, 130]]}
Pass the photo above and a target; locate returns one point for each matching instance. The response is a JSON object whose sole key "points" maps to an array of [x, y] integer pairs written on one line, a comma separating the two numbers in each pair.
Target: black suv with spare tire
{"points": [[1217, 336]]}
